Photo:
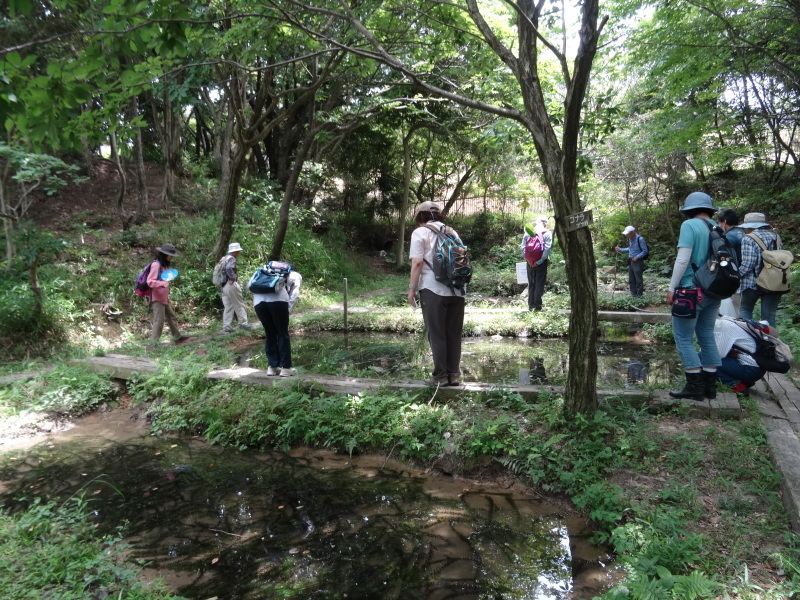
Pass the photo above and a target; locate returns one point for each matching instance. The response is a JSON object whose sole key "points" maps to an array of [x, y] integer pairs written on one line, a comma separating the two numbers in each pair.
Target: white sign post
{"points": [[522, 272]]}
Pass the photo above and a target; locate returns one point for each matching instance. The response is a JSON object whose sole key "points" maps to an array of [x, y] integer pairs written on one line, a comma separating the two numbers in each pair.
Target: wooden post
{"points": [[344, 306]]}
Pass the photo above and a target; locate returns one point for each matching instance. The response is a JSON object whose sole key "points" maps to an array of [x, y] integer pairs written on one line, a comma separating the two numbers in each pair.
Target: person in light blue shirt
{"points": [[700, 312], [637, 251]]}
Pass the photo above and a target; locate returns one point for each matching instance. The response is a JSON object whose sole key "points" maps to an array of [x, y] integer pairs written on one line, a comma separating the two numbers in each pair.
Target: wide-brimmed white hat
{"points": [[628, 230], [754, 221], [234, 247]]}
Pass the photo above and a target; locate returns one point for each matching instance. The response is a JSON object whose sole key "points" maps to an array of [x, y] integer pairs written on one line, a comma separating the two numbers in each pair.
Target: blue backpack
{"points": [[451, 264], [270, 278]]}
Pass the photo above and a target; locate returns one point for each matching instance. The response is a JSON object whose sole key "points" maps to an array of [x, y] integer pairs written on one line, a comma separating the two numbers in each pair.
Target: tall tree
{"points": [[544, 103]]}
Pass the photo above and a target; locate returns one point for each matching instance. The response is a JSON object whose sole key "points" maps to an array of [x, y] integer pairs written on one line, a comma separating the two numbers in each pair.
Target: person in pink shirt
{"points": [[159, 296]]}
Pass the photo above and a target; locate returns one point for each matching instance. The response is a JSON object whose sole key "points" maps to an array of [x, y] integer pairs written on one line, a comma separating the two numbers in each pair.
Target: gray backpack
{"points": [[219, 277]]}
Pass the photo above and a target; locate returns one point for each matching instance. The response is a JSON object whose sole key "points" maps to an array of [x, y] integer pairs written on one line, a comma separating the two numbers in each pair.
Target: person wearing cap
{"points": [[637, 251], [738, 368], [750, 266], [728, 220], [159, 296], [231, 292], [693, 241], [442, 307], [537, 273]]}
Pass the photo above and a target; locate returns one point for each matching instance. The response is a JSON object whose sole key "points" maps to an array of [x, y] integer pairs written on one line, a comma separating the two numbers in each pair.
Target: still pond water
{"points": [[625, 358], [216, 522]]}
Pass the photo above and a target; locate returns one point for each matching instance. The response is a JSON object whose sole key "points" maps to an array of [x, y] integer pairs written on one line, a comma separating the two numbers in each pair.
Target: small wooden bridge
{"points": [[122, 366]]}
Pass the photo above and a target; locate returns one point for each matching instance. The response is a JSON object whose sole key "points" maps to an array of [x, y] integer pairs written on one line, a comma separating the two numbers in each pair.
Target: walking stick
{"points": [[614, 283]]}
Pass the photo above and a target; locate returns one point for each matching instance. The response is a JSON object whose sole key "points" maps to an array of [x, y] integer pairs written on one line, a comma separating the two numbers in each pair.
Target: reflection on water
{"points": [[489, 360], [247, 525]]}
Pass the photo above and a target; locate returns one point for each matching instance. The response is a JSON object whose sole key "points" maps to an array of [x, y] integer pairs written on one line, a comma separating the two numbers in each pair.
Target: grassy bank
{"points": [[53, 551]]}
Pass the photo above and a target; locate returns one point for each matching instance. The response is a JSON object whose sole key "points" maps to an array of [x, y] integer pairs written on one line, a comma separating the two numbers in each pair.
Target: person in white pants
{"points": [[231, 292]]}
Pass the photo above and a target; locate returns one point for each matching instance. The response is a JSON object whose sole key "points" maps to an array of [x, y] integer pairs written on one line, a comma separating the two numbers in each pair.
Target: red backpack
{"points": [[534, 248]]}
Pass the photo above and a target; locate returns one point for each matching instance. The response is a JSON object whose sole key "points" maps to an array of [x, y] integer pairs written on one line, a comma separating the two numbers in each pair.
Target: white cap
{"points": [[628, 229], [234, 247]]}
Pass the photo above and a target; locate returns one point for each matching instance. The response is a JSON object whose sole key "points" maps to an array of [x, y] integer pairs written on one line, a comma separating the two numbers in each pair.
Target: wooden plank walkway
{"points": [[615, 316], [122, 366]]}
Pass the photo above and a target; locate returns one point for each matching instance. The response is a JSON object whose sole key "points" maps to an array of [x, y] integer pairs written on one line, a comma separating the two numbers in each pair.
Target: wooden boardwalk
{"points": [[122, 366]]}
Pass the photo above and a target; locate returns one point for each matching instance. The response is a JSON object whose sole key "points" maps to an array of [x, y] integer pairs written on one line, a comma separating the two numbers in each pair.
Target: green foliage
{"points": [[53, 551], [66, 391], [22, 334]]}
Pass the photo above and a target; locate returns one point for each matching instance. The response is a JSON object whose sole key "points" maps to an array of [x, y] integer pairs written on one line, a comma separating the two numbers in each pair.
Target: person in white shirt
{"points": [[442, 307], [273, 311], [738, 370]]}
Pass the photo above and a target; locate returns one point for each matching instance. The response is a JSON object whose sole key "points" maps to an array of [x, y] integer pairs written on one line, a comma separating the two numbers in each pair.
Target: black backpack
{"points": [[719, 275], [451, 264], [771, 354]]}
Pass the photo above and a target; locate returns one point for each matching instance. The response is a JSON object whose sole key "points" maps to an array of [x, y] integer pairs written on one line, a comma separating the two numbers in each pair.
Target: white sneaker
{"points": [[272, 371], [286, 372]]}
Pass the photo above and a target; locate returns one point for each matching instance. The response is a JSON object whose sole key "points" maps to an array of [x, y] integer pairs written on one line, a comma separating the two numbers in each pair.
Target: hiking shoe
{"points": [[740, 388], [246, 326], [226, 331], [455, 383], [182, 339], [436, 381], [272, 371], [286, 371]]}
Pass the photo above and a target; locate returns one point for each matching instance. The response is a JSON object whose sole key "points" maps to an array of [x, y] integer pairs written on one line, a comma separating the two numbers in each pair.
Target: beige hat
{"points": [[754, 221], [234, 247], [426, 206]]}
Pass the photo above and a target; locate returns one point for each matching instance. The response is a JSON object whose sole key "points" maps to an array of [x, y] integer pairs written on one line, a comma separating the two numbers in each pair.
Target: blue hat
{"points": [[698, 200]]}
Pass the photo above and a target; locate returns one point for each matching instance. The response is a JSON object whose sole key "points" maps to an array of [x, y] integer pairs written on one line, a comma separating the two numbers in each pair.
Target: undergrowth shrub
{"points": [[66, 391]]}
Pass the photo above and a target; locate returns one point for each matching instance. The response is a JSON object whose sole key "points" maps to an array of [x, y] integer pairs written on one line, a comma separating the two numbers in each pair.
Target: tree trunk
{"points": [[142, 208], [288, 195], [230, 194], [5, 214], [454, 197], [172, 150], [225, 155], [36, 288], [125, 219], [401, 224]]}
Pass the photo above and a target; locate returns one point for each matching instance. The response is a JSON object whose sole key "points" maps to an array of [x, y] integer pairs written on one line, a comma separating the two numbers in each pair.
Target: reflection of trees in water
{"points": [[483, 359], [275, 522]]}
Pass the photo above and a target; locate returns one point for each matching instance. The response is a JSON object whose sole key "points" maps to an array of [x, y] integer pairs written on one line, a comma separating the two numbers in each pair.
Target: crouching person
{"points": [[739, 370], [273, 310]]}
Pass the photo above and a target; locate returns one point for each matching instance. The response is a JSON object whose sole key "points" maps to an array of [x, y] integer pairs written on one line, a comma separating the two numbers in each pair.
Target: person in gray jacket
{"points": [[231, 292]]}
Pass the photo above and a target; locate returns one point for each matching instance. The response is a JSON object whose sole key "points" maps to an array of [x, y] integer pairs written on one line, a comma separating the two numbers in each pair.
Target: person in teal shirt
{"points": [[693, 243]]}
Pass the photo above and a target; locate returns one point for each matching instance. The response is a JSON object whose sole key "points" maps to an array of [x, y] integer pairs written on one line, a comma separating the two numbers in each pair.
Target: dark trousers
{"points": [[444, 320], [537, 277], [274, 316], [636, 277]]}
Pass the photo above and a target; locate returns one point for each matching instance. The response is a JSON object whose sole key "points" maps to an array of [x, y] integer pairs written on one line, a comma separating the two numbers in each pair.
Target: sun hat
{"points": [[542, 219], [234, 247], [698, 200], [754, 221], [167, 249], [426, 206], [628, 230]]}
